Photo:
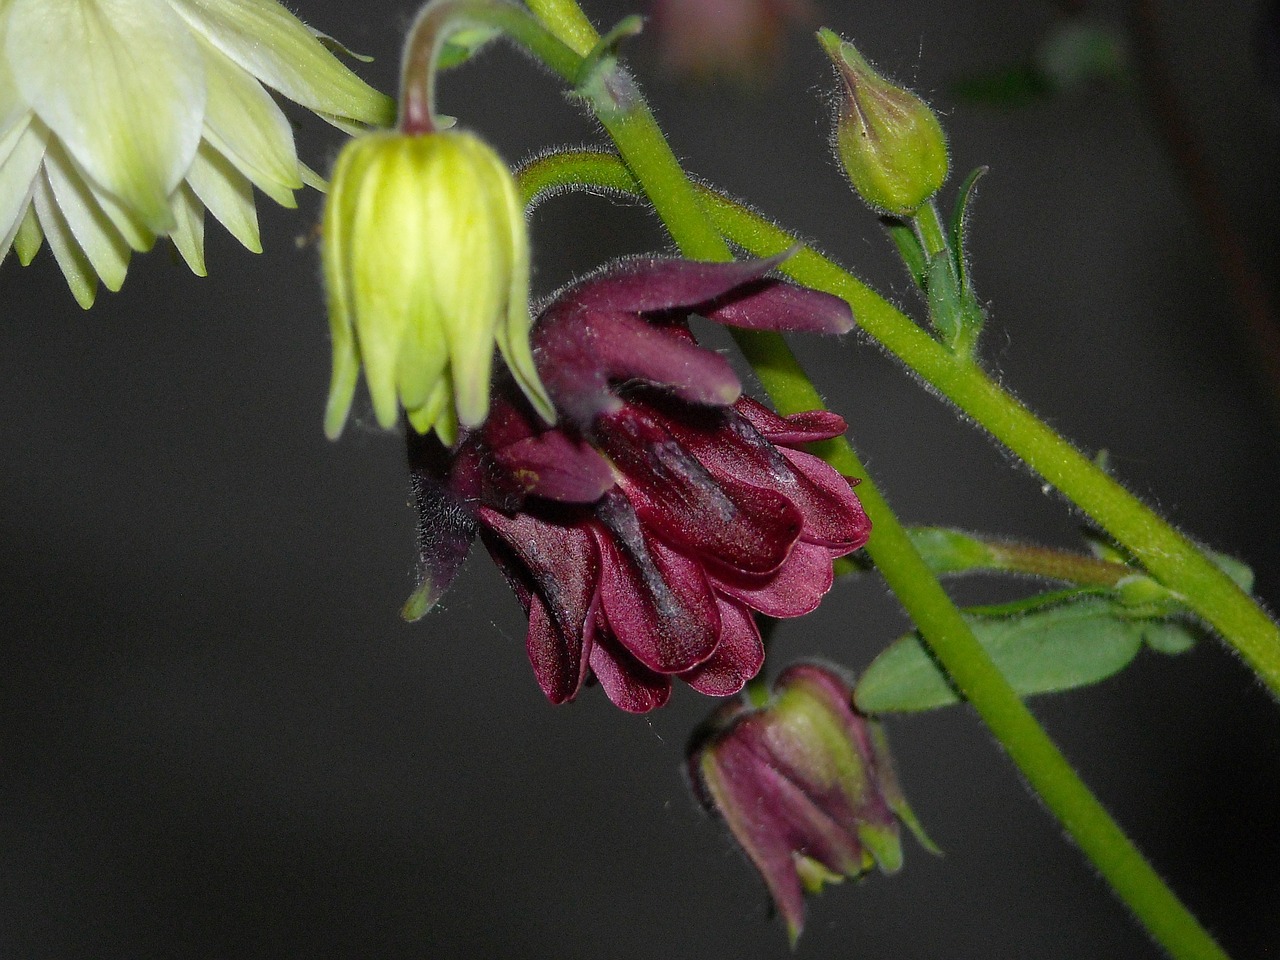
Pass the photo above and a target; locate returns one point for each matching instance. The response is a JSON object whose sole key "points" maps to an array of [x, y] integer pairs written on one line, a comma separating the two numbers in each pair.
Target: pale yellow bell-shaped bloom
{"points": [[122, 120], [426, 262]]}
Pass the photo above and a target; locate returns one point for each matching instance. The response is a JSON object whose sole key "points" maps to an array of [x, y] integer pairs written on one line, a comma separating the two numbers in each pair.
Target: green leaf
{"points": [[909, 248], [958, 216], [1057, 642], [943, 289], [949, 551], [1170, 637], [462, 45], [1237, 570]]}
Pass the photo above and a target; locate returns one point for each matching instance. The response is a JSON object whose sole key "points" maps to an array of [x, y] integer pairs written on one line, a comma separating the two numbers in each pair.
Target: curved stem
{"points": [[432, 27], [1170, 557]]}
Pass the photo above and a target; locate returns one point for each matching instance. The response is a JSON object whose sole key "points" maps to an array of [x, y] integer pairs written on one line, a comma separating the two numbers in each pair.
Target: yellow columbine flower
{"points": [[121, 120], [426, 261]]}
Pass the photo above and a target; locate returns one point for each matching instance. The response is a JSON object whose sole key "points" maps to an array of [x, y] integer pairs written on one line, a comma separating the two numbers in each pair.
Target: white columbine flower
{"points": [[121, 120]]}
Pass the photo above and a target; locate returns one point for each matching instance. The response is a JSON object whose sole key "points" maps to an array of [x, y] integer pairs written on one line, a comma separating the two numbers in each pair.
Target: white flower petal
{"points": [[278, 49], [244, 123], [17, 174], [188, 234], [13, 133], [334, 45], [124, 219], [227, 193], [121, 83], [312, 179], [75, 266], [350, 128], [29, 238], [93, 230], [12, 106]]}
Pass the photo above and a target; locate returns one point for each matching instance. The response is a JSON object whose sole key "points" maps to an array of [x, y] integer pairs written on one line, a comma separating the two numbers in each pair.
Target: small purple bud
{"points": [[806, 785]]}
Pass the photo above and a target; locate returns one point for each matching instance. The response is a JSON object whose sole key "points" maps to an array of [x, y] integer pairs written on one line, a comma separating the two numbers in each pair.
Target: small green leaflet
{"points": [[1048, 644]]}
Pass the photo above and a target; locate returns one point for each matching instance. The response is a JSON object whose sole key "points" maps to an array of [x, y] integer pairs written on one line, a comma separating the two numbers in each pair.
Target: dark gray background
{"points": [[217, 740]]}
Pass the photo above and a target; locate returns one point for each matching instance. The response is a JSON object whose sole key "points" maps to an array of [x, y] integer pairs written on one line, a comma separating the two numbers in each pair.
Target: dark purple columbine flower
{"points": [[805, 784], [663, 508]]}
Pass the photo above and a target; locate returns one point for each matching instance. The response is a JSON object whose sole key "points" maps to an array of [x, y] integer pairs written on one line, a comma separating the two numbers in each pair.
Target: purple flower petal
{"points": [[651, 284], [808, 427], [581, 354], [795, 589], [772, 818], [738, 657], [559, 661], [560, 564], [627, 683], [778, 305], [833, 514], [554, 466], [846, 786], [657, 601], [446, 526], [742, 526]]}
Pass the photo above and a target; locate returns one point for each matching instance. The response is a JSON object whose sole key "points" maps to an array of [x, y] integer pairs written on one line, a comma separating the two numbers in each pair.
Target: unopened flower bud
{"points": [[806, 786], [426, 261], [888, 140]]}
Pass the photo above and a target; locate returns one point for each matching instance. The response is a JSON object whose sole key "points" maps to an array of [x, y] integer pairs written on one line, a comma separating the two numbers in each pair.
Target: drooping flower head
{"points": [[122, 120], [642, 531], [426, 262], [806, 785]]}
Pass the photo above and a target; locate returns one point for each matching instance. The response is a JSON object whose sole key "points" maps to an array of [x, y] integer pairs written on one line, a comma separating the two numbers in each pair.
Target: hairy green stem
{"points": [[929, 226], [955, 551]]}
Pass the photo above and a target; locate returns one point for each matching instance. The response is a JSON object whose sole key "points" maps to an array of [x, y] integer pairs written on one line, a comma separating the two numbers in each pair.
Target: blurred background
{"points": [[218, 740]]}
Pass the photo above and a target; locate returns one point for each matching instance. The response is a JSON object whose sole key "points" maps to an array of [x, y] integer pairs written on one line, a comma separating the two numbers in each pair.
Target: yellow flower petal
{"points": [[88, 69], [333, 247], [380, 310]]}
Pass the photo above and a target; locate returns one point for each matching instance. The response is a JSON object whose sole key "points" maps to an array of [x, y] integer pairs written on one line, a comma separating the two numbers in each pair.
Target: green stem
{"points": [[1170, 557], [433, 26], [950, 551], [929, 225], [567, 21]]}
